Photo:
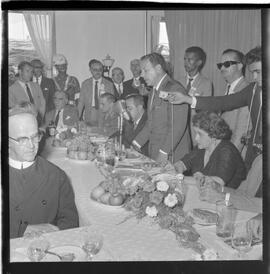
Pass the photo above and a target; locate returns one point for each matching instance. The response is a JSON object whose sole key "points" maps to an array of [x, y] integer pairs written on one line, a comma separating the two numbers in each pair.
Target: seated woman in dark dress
{"points": [[215, 156]]}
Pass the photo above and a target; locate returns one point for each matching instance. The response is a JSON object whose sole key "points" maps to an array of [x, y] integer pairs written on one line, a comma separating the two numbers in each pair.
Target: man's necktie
{"points": [[29, 94], [96, 96], [152, 98], [119, 89], [57, 118], [189, 84], [228, 90]]}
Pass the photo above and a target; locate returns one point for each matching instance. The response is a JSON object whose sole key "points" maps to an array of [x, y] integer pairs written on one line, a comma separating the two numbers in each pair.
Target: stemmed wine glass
{"points": [[92, 243], [242, 238], [37, 250]]}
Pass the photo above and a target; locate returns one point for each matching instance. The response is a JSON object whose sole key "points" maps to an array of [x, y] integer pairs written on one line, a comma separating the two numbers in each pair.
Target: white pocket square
{"points": [[68, 117]]}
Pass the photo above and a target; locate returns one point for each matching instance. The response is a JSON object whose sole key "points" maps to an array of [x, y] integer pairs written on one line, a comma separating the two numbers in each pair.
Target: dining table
{"points": [[125, 238]]}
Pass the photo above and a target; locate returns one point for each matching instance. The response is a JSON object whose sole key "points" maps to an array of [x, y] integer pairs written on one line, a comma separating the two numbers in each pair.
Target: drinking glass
{"points": [[36, 250], [226, 218], [92, 243], [242, 238]]}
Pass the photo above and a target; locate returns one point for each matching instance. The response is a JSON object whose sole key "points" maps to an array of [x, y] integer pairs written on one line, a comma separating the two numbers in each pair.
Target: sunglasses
{"points": [[227, 64]]}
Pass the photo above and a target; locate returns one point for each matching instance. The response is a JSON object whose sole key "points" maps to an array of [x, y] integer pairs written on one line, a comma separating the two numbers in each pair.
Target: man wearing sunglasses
{"points": [[250, 96], [232, 69], [41, 198]]}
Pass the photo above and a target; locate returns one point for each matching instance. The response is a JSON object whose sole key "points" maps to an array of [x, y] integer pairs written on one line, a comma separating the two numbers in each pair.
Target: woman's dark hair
{"points": [[213, 124]]}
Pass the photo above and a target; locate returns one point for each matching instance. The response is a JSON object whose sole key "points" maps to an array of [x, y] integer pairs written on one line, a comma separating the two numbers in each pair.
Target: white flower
{"points": [[68, 117], [151, 211], [170, 200], [162, 186], [180, 177], [74, 130], [210, 254]]}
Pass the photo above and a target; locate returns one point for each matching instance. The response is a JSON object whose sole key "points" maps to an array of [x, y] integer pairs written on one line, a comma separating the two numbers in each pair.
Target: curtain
{"points": [[41, 27], [155, 20], [214, 31]]}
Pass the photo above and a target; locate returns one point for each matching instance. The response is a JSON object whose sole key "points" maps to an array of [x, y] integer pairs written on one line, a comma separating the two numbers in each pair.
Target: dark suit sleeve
{"points": [[225, 103], [177, 123], [67, 215]]}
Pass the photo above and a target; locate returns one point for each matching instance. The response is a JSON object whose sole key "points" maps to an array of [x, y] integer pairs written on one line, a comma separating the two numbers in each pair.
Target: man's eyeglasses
{"points": [[25, 140], [227, 64]]}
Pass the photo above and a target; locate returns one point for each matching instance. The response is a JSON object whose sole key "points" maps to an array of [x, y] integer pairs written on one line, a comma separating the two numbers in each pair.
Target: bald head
{"points": [[135, 68]]}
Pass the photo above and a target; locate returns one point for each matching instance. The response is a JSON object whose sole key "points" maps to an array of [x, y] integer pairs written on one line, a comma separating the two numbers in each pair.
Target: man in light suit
{"points": [[166, 128], [137, 84], [47, 85], [91, 89], [63, 115], [23, 90], [194, 81], [234, 76]]}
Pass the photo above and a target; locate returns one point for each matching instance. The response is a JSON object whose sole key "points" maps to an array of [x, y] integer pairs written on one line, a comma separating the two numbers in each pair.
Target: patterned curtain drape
{"points": [[41, 27], [214, 31]]}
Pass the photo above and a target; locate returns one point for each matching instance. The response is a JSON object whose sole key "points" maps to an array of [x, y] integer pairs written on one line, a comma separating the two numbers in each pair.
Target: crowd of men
{"points": [[157, 125]]}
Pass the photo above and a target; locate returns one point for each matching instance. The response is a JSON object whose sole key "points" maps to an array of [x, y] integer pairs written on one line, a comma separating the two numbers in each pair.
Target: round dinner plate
{"points": [[200, 221], [79, 161], [105, 206], [76, 250]]}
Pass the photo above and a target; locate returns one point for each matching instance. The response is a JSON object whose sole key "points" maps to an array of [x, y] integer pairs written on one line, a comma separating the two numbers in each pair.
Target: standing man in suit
{"points": [[47, 85], [118, 77], [25, 90], [194, 81], [136, 110], [64, 82], [167, 127], [137, 84], [63, 115], [250, 96], [232, 69], [91, 89]]}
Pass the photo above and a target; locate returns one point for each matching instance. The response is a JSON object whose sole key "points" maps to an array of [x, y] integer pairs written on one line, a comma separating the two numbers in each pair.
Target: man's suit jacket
{"points": [[70, 116], [17, 94], [201, 86], [85, 101], [129, 133], [48, 88], [166, 122], [237, 119], [237, 100]]}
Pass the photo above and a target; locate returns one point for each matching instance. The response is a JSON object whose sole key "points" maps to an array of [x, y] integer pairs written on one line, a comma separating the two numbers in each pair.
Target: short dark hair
{"points": [[254, 55], [23, 108], [155, 59], [213, 124], [137, 99], [240, 57], [94, 61], [110, 97], [23, 64], [200, 53]]}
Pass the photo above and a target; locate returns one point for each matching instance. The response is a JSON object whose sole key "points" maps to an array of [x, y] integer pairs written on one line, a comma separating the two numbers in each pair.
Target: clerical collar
{"points": [[159, 83], [19, 165]]}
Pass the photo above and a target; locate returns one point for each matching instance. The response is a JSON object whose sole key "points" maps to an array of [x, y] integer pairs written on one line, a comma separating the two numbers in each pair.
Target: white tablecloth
{"points": [[132, 239]]}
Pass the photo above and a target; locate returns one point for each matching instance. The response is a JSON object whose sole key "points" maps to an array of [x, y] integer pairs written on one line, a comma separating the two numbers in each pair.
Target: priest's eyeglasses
{"points": [[25, 140]]}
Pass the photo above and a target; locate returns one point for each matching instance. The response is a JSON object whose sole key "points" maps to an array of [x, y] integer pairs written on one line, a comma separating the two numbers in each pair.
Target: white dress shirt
{"points": [[23, 84], [37, 79], [233, 85]]}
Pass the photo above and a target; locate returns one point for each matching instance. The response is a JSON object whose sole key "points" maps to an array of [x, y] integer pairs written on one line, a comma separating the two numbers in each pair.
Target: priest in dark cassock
{"points": [[41, 198]]}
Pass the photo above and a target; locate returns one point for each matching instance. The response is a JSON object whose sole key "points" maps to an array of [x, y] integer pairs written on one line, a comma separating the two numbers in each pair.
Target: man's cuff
{"points": [[136, 144], [163, 152], [194, 102]]}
